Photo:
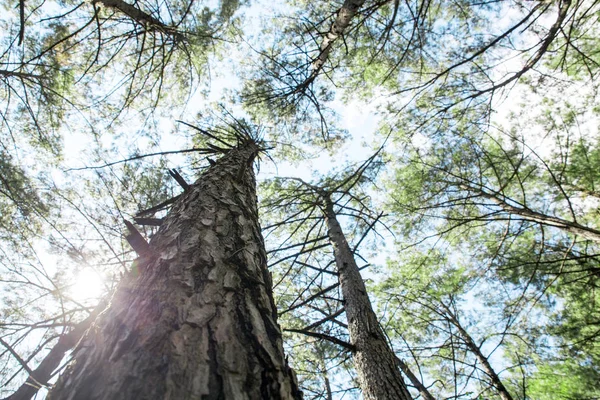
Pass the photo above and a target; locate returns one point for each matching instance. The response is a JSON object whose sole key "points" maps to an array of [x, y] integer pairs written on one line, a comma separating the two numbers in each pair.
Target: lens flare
{"points": [[88, 284]]}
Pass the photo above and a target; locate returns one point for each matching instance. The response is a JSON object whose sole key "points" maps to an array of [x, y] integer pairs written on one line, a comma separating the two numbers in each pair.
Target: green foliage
{"points": [[567, 380], [464, 199], [582, 169], [578, 55], [21, 204], [460, 188]]}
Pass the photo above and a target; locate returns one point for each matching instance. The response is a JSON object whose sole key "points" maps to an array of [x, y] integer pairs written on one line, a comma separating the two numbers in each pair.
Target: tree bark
{"points": [[199, 322], [374, 360]]}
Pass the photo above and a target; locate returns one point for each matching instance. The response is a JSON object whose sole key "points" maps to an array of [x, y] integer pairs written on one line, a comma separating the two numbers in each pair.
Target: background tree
{"points": [[309, 209]]}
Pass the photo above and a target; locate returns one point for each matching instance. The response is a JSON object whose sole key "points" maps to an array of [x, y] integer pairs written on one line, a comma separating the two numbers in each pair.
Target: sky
{"points": [[359, 118]]}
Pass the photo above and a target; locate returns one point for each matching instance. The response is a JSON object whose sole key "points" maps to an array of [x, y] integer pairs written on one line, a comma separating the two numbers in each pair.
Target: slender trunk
{"points": [[375, 363], [468, 340], [325, 374], [327, 386], [41, 375], [415, 381], [342, 21], [199, 322]]}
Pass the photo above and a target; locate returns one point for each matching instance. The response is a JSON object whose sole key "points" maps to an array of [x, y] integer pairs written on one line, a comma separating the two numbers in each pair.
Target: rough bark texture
{"points": [[199, 322], [375, 363], [42, 374]]}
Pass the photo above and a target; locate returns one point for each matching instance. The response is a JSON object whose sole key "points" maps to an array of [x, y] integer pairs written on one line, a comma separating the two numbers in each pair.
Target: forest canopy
{"points": [[448, 149]]}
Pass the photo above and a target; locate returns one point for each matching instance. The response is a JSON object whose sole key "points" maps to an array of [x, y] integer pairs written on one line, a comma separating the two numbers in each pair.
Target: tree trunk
{"points": [[414, 380], [375, 363], [342, 21], [199, 322], [475, 349]]}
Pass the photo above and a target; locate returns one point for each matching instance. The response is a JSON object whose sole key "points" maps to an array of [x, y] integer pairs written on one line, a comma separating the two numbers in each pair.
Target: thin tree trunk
{"points": [[41, 375], [375, 363], [327, 386], [468, 340], [414, 380], [340, 24], [200, 321], [325, 374]]}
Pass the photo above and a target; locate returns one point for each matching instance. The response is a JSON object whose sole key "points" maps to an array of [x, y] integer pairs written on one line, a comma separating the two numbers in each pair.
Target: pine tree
{"points": [[199, 320]]}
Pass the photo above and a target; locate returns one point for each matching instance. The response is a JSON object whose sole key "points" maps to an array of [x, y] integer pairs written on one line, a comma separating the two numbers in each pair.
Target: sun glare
{"points": [[88, 284]]}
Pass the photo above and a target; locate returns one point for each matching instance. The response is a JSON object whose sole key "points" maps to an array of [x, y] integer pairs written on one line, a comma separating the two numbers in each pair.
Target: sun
{"points": [[88, 284]]}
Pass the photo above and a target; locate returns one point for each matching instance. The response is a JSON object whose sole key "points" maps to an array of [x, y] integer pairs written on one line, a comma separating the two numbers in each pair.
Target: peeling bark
{"points": [[375, 363], [200, 321]]}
